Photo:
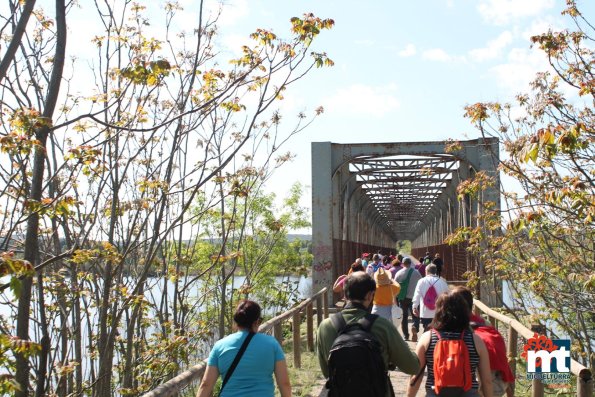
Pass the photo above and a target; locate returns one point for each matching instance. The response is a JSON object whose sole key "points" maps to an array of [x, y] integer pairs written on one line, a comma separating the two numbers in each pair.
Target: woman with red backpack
{"points": [[452, 354]]}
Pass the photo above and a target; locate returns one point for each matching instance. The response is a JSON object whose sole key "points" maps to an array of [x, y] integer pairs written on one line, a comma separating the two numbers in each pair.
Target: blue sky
{"points": [[404, 70]]}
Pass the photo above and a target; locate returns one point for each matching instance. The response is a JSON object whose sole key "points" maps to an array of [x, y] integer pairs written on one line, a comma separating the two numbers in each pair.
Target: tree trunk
{"points": [[35, 195], [16, 39], [45, 342]]}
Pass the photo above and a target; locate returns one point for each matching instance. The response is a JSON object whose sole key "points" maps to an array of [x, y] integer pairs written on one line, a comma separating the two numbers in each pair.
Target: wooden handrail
{"points": [[583, 374], [180, 382], [520, 328], [195, 373], [265, 327]]}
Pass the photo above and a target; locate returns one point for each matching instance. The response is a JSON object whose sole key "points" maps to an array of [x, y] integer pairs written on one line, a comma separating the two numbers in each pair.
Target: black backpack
{"points": [[355, 363]]}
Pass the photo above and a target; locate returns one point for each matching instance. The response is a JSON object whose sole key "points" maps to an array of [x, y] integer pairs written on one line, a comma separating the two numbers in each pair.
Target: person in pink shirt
{"points": [[394, 267], [355, 267]]}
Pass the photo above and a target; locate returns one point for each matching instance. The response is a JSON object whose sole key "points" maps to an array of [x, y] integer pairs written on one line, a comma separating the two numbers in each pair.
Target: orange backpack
{"points": [[452, 366]]}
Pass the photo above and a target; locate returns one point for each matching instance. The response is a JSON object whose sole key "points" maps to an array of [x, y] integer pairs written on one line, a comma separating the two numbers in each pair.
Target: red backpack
{"points": [[452, 366]]}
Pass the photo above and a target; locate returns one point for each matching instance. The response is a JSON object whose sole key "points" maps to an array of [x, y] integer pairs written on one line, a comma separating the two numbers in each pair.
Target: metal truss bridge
{"points": [[368, 197]]}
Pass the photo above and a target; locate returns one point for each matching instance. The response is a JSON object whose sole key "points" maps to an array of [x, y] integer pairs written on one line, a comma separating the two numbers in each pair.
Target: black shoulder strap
{"points": [[236, 360], [338, 322], [367, 321]]}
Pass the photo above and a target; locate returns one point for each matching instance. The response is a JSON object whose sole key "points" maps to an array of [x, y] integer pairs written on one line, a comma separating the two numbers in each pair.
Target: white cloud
{"points": [[436, 54], [501, 12], [360, 99], [540, 26], [493, 49], [408, 51], [520, 70]]}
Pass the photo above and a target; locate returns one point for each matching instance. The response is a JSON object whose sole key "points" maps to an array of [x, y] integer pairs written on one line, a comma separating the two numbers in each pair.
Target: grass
{"points": [[306, 378]]}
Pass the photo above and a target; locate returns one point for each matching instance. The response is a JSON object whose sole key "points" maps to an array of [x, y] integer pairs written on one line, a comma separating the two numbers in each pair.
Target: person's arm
{"points": [[420, 350], [485, 373], [282, 378], [416, 298], [208, 382], [399, 354], [510, 390], [322, 348], [338, 286]]}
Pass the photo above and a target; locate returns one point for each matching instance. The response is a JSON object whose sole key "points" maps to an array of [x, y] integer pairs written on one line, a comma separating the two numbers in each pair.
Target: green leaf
{"points": [[16, 286]]}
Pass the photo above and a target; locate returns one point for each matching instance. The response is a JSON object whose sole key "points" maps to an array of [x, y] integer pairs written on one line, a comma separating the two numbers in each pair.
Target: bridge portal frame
{"points": [[345, 221]]}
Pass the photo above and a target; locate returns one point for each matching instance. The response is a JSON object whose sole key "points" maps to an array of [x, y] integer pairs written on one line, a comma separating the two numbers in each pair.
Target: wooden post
{"points": [[319, 299], [513, 338], [297, 354], [536, 385], [325, 303], [492, 321], [476, 311], [310, 326], [584, 384], [278, 332]]}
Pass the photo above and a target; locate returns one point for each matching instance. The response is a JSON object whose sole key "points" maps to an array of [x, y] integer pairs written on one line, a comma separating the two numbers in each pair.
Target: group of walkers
{"points": [[356, 347], [461, 354], [410, 289]]}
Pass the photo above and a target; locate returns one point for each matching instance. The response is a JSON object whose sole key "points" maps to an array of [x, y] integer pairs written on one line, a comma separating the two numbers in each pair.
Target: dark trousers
{"points": [[406, 306], [426, 323]]}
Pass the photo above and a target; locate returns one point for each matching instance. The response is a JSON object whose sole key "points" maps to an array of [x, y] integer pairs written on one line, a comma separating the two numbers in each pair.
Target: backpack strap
{"points": [[440, 336], [409, 275], [367, 321], [338, 322]]}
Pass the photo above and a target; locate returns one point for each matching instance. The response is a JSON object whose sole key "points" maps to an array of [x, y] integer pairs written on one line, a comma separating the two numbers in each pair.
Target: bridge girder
{"points": [[374, 194]]}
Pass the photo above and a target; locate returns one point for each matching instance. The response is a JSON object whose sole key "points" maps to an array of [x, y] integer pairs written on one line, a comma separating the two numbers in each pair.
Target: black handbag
{"points": [[236, 360]]}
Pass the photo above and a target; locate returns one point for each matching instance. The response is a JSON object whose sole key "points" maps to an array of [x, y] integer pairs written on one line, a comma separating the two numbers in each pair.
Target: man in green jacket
{"points": [[359, 291]]}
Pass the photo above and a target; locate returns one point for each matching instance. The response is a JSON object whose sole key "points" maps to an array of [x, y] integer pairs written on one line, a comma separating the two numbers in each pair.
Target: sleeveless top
{"points": [[473, 356]]}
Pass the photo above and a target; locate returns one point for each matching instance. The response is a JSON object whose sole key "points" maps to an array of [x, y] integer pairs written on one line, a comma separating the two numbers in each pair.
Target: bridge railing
{"points": [[275, 325], [584, 383]]}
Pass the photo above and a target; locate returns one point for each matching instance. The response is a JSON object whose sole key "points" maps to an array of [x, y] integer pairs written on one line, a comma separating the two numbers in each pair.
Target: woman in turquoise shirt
{"points": [[253, 376]]}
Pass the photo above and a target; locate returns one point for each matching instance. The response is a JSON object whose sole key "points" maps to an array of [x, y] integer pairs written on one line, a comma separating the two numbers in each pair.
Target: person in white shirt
{"points": [[424, 302], [407, 278]]}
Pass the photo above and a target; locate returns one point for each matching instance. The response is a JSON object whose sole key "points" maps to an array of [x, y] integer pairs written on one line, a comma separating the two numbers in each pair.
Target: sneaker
{"points": [[413, 335]]}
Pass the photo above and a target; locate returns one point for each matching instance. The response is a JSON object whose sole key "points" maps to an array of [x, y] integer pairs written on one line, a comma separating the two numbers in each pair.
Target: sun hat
{"points": [[383, 278]]}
